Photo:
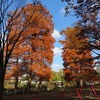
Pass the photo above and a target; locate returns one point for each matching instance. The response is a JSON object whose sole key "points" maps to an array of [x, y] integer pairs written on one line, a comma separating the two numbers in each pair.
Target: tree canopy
{"points": [[25, 39], [76, 64], [89, 20]]}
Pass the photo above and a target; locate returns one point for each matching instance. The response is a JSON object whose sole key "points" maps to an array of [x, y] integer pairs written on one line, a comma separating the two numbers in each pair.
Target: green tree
{"points": [[58, 77]]}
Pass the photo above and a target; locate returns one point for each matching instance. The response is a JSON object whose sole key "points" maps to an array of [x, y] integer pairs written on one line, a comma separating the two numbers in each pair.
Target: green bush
{"points": [[33, 86], [44, 88]]}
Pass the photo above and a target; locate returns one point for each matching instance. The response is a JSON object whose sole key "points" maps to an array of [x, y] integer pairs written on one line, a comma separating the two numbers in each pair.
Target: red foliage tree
{"points": [[34, 48], [78, 62]]}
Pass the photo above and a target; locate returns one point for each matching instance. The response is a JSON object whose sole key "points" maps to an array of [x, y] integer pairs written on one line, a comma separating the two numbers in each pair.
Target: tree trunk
{"points": [[2, 73], [78, 83], [16, 82], [29, 85], [1, 84], [39, 85]]}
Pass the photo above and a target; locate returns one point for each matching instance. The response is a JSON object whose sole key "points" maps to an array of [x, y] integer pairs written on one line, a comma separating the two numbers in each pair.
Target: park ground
{"points": [[86, 94]]}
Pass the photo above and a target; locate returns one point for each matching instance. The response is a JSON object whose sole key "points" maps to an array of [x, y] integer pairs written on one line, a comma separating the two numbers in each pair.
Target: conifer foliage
{"points": [[78, 63]]}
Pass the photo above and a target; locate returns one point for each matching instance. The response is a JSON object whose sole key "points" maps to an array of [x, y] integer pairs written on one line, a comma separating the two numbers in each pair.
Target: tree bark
{"points": [[77, 83], [1, 84], [2, 73], [39, 85], [16, 82]]}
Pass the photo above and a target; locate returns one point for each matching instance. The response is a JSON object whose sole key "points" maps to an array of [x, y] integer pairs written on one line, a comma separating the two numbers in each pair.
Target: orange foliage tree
{"points": [[34, 48], [17, 65], [8, 42], [78, 62], [42, 45], [16, 26]]}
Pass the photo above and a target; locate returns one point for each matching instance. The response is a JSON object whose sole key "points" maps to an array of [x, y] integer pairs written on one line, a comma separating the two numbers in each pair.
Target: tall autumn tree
{"points": [[42, 45], [35, 52], [5, 29], [13, 24], [75, 64], [88, 12]]}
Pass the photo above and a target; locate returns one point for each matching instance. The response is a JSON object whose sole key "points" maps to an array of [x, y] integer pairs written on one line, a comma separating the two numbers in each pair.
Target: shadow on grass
{"points": [[50, 96]]}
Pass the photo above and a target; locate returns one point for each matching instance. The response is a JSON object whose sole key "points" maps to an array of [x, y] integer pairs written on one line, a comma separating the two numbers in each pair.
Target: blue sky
{"points": [[56, 9]]}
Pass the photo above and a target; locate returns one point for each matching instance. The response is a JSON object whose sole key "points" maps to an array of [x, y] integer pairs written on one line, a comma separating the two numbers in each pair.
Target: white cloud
{"points": [[57, 51], [56, 67], [56, 34]]}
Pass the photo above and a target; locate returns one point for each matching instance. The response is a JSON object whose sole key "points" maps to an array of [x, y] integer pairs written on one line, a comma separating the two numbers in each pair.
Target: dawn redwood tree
{"points": [[75, 64], [88, 12], [13, 26], [42, 45]]}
